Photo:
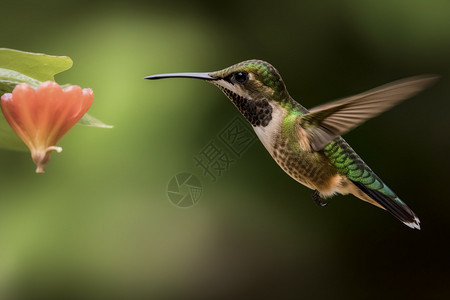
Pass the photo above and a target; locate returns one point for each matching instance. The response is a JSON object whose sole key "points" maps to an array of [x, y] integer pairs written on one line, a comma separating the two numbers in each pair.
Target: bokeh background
{"points": [[99, 224]]}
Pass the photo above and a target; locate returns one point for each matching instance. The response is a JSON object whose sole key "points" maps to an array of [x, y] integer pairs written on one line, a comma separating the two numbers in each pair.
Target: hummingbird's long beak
{"points": [[204, 76]]}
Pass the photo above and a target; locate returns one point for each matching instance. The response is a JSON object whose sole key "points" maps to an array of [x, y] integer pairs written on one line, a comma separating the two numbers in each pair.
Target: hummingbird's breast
{"points": [[310, 168]]}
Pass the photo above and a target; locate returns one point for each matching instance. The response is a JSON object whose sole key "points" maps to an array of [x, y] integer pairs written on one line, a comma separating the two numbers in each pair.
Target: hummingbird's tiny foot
{"points": [[316, 197]]}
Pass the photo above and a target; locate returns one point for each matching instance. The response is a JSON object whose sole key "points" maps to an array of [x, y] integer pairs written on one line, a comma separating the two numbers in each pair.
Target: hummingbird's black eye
{"points": [[241, 77]]}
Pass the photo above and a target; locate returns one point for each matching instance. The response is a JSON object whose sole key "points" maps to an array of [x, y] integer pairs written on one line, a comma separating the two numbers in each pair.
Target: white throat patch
{"points": [[267, 134]]}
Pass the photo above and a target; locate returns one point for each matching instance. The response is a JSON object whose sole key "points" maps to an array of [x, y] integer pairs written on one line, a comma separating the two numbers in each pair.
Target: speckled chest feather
{"points": [[312, 169]]}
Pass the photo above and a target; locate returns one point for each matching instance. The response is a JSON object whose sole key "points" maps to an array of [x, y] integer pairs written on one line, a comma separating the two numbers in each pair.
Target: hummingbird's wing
{"points": [[324, 123]]}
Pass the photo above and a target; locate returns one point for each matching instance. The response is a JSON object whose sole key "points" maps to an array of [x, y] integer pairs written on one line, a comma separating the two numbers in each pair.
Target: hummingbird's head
{"points": [[254, 86], [253, 79]]}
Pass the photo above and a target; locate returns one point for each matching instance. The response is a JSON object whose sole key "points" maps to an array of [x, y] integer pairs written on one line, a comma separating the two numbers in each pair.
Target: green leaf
{"points": [[88, 120], [9, 79], [41, 67]]}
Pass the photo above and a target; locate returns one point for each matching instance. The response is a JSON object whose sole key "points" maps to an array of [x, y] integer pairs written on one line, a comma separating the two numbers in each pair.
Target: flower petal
{"points": [[42, 117], [45, 108], [20, 119]]}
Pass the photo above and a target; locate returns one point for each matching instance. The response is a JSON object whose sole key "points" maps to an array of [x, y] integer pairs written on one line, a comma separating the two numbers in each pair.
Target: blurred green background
{"points": [[98, 224]]}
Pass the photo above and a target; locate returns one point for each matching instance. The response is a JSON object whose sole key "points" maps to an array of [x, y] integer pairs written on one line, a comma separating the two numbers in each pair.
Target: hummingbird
{"points": [[307, 143]]}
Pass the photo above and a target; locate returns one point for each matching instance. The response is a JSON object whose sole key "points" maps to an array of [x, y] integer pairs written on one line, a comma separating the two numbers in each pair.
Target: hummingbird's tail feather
{"points": [[393, 205]]}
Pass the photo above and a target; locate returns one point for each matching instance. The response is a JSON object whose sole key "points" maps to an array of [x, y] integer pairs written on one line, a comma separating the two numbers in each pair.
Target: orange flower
{"points": [[41, 117]]}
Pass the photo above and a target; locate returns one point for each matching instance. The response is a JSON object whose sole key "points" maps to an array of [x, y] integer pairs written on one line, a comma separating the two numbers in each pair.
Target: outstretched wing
{"points": [[324, 123]]}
